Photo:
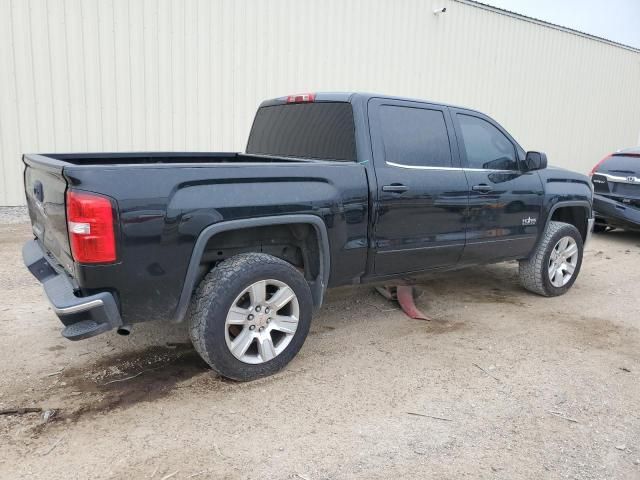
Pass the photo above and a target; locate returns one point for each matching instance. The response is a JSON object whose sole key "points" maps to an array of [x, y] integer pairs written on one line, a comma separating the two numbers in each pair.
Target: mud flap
{"points": [[403, 294]]}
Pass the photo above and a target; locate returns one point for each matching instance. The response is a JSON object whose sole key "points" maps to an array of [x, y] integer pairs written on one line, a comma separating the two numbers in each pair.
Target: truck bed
{"points": [[163, 201], [134, 158]]}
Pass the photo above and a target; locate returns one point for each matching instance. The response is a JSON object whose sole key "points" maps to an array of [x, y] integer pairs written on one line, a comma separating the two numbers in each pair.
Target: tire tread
{"points": [[212, 294], [532, 269]]}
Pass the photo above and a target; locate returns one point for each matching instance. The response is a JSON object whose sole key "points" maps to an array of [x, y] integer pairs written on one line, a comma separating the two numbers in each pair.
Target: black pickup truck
{"points": [[334, 189]]}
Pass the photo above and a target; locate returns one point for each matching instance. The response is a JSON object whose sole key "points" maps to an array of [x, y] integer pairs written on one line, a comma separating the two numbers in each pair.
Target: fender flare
{"points": [[317, 288], [566, 203]]}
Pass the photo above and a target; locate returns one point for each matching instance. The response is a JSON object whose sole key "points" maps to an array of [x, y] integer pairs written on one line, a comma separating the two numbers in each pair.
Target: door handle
{"points": [[395, 188], [482, 188]]}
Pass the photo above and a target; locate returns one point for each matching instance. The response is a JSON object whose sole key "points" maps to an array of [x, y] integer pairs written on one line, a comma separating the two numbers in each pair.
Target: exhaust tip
{"points": [[124, 330]]}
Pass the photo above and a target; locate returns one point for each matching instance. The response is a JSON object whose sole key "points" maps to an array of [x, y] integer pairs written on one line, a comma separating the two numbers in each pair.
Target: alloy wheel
{"points": [[262, 321], [563, 261]]}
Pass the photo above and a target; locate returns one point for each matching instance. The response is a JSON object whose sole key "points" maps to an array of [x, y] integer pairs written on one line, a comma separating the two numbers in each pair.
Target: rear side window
{"points": [[486, 146], [305, 130], [415, 137]]}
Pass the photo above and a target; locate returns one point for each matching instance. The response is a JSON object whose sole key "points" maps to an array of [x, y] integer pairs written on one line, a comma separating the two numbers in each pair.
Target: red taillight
{"points": [[90, 224], [593, 170], [302, 98]]}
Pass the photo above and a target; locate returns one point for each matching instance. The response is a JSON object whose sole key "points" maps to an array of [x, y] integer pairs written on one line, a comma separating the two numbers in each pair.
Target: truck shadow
{"points": [[622, 238]]}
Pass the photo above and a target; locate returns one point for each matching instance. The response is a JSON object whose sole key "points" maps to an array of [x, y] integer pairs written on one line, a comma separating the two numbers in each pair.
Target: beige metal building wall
{"points": [[109, 75]]}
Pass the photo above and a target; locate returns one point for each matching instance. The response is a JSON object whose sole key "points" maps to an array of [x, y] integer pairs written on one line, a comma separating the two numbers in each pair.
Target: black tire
{"points": [[534, 271], [215, 296], [600, 228]]}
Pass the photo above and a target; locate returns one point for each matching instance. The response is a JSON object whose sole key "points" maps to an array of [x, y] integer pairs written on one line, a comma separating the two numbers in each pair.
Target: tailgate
{"points": [[45, 188]]}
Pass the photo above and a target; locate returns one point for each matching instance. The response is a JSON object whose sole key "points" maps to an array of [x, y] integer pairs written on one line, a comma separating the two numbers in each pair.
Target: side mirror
{"points": [[535, 161]]}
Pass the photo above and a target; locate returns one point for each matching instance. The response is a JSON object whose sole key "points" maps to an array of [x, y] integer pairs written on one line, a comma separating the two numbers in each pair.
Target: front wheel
{"points": [[250, 316], [555, 263]]}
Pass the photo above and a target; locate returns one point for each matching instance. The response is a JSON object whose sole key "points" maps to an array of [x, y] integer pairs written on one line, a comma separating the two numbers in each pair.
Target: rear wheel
{"points": [[555, 264], [250, 316]]}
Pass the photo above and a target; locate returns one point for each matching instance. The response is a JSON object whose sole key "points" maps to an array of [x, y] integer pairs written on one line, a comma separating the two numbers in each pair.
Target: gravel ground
{"points": [[13, 215], [501, 384]]}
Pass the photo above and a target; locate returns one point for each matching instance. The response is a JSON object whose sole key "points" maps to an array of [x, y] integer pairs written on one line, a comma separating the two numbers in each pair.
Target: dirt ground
{"points": [[502, 384]]}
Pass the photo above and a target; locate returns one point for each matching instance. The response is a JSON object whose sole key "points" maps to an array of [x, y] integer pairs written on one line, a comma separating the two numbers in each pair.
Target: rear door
{"points": [[505, 203], [422, 193]]}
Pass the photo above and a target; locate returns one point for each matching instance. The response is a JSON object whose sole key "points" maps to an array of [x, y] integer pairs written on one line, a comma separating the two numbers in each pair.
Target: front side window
{"points": [[415, 136], [486, 147]]}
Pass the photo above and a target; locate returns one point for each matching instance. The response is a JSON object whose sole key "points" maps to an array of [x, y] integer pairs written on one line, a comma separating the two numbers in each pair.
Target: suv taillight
{"points": [[595, 168], [90, 224]]}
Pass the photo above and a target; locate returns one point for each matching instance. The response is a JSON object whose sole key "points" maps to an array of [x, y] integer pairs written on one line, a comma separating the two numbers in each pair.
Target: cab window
{"points": [[415, 137], [485, 146]]}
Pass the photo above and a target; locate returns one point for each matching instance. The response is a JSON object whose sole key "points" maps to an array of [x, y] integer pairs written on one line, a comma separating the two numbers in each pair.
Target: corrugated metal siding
{"points": [[108, 75]]}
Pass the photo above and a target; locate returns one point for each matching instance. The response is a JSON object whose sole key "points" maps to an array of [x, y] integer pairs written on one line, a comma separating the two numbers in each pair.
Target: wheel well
{"points": [[295, 243], [576, 216]]}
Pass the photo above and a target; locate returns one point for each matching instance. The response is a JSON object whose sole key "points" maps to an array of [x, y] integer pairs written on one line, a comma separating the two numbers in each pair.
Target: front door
{"points": [[422, 192], [505, 202]]}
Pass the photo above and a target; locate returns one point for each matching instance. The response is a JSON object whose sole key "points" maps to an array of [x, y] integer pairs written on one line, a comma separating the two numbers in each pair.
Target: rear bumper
{"points": [[83, 317], [616, 213]]}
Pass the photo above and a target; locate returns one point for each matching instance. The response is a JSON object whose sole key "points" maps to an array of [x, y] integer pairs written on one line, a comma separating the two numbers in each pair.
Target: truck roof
{"points": [[351, 97]]}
